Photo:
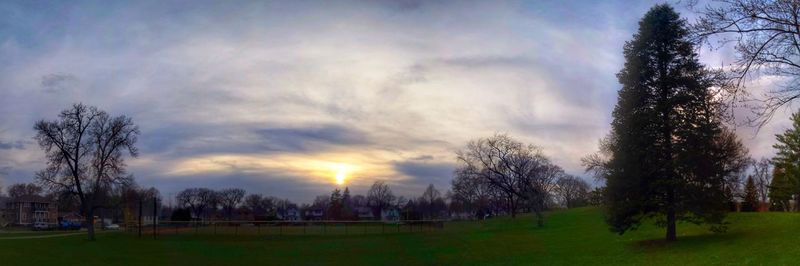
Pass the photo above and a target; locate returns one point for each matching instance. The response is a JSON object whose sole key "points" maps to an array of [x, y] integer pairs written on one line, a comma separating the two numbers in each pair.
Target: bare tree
{"points": [[255, 202], [380, 197], [24, 189], [84, 150], [470, 191], [431, 202], [762, 173], [572, 190], [230, 198], [521, 172], [597, 163], [187, 198], [198, 200], [766, 34]]}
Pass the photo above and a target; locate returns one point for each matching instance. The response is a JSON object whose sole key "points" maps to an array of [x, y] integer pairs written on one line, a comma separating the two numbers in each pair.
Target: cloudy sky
{"points": [[277, 97]]}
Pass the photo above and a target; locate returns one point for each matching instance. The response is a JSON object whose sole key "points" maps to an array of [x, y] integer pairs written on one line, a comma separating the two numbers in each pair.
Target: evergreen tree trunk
{"points": [[672, 233]]}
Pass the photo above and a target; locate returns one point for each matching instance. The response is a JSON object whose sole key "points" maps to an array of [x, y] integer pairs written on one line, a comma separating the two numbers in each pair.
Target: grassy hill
{"points": [[571, 237]]}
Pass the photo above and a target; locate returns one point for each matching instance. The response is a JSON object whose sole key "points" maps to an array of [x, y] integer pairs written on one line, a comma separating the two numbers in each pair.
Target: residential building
{"points": [[27, 210]]}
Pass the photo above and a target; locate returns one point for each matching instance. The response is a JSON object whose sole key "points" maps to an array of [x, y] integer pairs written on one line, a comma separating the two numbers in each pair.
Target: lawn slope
{"points": [[573, 237]]}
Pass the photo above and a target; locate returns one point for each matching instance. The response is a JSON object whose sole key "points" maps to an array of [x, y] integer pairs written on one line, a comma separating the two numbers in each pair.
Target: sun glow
{"points": [[341, 173]]}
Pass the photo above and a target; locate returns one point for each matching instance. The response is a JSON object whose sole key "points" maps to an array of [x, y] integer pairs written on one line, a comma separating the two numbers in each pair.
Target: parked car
{"points": [[112, 227], [67, 225], [40, 226]]}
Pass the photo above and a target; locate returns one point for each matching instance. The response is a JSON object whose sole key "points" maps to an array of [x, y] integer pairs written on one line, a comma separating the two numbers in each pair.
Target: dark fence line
{"points": [[282, 227]]}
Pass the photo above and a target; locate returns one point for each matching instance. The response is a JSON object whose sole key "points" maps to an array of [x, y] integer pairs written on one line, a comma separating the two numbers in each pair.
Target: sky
{"points": [[278, 97]]}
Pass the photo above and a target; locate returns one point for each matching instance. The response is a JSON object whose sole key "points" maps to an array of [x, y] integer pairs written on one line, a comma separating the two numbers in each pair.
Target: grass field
{"points": [[572, 237]]}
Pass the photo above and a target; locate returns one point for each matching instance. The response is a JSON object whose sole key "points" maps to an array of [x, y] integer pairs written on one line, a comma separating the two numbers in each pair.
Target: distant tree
{"points": [[348, 212], [574, 191], [765, 34], [181, 214], [597, 196], [520, 172], [85, 149], [24, 189], [230, 198], [321, 201], [669, 151], [431, 202], [730, 159], [380, 197], [198, 200], [335, 205], [470, 191], [763, 177], [751, 202], [257, 204]]}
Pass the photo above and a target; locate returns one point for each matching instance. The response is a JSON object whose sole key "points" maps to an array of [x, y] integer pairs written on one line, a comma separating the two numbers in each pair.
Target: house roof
{"points": [[31, 198]]}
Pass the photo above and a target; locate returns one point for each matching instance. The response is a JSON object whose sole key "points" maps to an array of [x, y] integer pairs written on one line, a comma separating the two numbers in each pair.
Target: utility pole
{"points": [[155, 217]]}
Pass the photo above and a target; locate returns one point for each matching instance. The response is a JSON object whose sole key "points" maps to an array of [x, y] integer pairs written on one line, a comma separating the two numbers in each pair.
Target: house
{"points": [[27, 210], [391, 214], [4, 221], [315, 214], [291, 214], [365, 213]]}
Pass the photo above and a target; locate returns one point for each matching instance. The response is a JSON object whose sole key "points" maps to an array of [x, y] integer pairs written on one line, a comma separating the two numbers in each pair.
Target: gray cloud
{"points": [[57, 82], [12, 145]]}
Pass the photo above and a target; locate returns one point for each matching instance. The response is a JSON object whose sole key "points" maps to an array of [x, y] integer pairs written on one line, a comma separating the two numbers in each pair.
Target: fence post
{"points": [[140, 217]]}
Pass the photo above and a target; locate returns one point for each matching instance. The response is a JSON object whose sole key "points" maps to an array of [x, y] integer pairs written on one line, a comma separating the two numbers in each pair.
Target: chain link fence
{"points": [[253, 228]]}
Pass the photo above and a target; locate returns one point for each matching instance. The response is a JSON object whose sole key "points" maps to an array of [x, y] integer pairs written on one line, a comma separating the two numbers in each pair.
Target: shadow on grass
{"points": [[686, 242]]}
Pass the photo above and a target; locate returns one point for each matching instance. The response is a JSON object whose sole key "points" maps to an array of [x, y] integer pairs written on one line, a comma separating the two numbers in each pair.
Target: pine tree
{"points": [[780, 190], [669, 151], [335, 208], [750, 203], [788, 160]]}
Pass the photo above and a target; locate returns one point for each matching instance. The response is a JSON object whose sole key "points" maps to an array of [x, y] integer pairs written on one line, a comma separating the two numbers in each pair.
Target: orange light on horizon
{"points": [[341, 173]]}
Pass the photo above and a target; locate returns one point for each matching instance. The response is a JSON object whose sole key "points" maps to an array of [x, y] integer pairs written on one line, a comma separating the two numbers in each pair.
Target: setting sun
{"points": [[341, 173]]}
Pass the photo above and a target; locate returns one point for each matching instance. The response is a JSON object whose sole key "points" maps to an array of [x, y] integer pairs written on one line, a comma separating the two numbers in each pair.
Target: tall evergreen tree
{"points": [[750, 203], [669, 151], [780, 190], [788, 160]]}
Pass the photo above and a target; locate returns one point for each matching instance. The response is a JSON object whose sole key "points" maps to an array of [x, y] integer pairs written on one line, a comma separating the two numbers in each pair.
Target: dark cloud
{"points": [[12, 145], [426, 172], [313, 138], [423, 158]]}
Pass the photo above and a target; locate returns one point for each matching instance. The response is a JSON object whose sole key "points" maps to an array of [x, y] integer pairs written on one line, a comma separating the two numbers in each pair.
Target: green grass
{"points": [[574, 237]]}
